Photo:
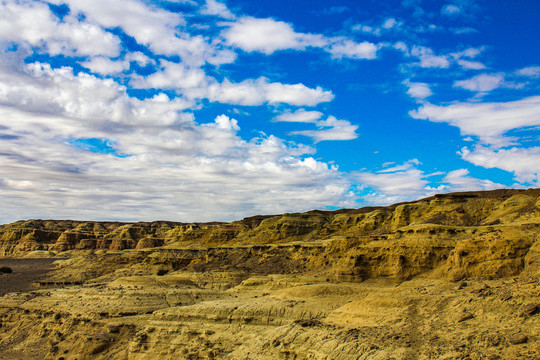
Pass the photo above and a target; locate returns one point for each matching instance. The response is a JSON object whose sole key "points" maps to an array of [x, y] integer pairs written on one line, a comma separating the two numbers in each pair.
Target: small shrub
{"points": [[5, 270]]}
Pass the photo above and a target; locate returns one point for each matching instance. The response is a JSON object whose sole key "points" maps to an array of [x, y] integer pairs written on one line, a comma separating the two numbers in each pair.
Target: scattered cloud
{"points": [[389, 24]]}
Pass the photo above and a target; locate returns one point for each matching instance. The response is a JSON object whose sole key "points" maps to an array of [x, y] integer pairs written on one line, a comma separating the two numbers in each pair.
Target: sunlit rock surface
{"points": [[453, 276]]}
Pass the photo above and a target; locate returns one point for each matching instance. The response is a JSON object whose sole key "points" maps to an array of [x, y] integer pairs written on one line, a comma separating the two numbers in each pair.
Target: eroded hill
{"points": [[452, 276]]}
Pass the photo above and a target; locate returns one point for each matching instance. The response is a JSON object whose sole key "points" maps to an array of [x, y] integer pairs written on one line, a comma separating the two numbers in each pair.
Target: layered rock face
{"points": [[453, 276]]}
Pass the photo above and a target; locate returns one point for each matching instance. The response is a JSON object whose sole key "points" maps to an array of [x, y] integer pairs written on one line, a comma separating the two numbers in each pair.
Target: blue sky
{"points": [[215, 110]]}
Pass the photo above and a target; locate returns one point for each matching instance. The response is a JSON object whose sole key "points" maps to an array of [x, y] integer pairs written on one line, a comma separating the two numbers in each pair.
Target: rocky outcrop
{"points": [[461, 235]]}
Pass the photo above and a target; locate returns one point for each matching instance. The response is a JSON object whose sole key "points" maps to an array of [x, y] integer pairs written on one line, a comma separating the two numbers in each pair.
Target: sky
{"points": [[214, 110]]}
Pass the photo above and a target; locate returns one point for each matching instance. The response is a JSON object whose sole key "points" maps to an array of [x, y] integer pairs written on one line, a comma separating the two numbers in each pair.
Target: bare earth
{"points": [[25, 272]]}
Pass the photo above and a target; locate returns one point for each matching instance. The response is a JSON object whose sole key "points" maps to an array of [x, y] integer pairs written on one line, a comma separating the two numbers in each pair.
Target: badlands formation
{"points": [[453, 276]]}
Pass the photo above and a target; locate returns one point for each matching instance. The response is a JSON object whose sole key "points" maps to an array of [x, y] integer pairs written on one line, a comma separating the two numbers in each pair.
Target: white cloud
{"points": [[428, 59], [331, 129], [522, 162], [482, 82], [105, 66], [345, 48], [268, 36], [459, 180], [530, 71], [151, 26], [213, 7], [296, 94], [386, 26], [264, 35], [257, 92], [488, 121], [418, 90], [224, 122], [389, 23], [33, 23], [139, 58], [300, 115], [193, 83], [400, 183], [406, 182], [471, 65], [172, 76], [172, 167]]}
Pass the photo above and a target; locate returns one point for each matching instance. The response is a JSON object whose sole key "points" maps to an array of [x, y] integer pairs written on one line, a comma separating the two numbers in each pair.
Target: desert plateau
{"points": [[453, 276]]}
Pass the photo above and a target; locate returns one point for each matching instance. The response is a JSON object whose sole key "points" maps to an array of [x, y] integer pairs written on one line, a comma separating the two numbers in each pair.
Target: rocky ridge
{"points": [[453, 276]]}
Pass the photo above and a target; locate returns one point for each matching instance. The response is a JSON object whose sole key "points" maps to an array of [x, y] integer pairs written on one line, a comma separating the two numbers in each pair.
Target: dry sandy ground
{"points": [[25, 272]]}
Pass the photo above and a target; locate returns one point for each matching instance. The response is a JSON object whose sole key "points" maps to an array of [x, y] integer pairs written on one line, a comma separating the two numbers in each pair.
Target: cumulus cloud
{"points": [[151, 26], [170, 166], [264, 35], [33, 23], [418, 90]]}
